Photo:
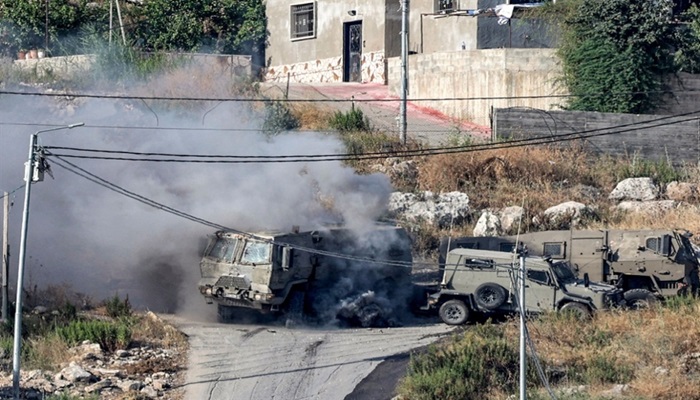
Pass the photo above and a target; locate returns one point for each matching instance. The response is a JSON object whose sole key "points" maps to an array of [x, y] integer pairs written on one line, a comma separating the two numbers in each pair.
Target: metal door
{"points": [[352, 51]]}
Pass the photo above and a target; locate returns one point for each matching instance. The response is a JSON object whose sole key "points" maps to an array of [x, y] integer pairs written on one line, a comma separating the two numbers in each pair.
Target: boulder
{"points": [[76, 373], [570, 211], [641, 189], [488, 224], [510, 218], [647, 207], [442, 210]]}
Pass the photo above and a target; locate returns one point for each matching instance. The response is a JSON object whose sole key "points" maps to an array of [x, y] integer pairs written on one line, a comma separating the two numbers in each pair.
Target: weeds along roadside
{"points": [[654, 351], [56, 325]]}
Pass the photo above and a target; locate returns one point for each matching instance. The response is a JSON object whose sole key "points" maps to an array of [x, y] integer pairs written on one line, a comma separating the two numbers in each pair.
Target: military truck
{"points": [[326, 273], [486, 282], [646, 264]]}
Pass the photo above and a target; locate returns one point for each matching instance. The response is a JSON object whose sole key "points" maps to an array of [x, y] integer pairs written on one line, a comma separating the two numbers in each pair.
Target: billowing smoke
{"points": [[103, 243]]}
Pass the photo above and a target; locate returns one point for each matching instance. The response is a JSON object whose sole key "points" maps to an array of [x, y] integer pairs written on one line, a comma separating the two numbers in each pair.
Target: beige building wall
{"points": [[320, 58], [431, 32], [480, 74]]}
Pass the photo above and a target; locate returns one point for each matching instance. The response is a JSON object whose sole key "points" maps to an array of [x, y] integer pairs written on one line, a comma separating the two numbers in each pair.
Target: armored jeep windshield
{"points": [[563, 272], [224, 249]]}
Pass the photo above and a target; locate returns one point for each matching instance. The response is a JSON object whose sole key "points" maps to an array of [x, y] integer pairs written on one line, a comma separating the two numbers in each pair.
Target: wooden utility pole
{"points": [[5, 253]]}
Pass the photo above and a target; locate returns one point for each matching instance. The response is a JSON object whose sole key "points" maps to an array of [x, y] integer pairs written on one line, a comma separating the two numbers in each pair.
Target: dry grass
{"points": [[152, 328], [312, 117], [652, 345], [47, 352]]}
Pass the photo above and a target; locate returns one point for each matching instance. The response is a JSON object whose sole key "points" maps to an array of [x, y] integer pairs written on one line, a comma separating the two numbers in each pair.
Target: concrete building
{"points": [[350, 41]]}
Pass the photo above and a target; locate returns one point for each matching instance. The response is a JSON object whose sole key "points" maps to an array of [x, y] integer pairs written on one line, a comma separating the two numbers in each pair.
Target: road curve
{"points": [[268, 361]]}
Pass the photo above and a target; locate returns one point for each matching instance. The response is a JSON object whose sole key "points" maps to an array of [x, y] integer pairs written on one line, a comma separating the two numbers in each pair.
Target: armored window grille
{"points": [[478, 264], [654, 244], [507, 247], [303, 21], [555, 249], [445, 6]]}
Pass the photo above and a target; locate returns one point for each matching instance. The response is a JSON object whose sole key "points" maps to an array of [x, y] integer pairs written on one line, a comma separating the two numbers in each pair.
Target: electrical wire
{"points": [[229, 159], [12, 191], [253, 100], [75, 169]]}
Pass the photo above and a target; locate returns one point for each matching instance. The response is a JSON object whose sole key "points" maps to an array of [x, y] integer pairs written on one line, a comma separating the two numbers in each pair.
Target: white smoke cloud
{"points": [[103, 243]]}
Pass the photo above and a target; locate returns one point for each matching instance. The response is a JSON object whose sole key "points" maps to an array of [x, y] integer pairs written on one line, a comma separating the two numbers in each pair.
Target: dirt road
{"points": [[268, 361]]}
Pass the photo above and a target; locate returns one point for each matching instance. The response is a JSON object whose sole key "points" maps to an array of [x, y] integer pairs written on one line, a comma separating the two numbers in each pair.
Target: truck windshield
{"points": [[223, 249], [563, 272], [256, 253], [689, 251]]}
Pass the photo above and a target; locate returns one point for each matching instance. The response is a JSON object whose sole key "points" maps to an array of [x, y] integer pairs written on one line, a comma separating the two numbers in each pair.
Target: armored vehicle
{"points": [[316, 272], [646, 264], [486, 281]]}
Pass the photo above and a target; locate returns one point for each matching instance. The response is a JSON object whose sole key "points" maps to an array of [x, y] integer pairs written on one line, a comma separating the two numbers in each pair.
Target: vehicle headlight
{"points": [[257, 296]]}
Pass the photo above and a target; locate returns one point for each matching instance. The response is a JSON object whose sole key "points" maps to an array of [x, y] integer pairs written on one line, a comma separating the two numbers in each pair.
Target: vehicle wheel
{"points": [[640, 298], [578, 310], [454, 312], [490, 295], [225, 313]]}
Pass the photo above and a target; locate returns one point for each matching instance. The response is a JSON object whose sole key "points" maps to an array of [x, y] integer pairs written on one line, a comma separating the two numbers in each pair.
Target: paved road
{"points": [[269, 361], [382, 108]]}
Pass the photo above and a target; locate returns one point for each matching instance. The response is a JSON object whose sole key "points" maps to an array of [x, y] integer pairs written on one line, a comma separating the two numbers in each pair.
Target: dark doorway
{"points": [[352, 51]]}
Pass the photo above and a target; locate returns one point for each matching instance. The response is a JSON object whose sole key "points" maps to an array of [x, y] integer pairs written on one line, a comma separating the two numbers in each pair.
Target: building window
{"points": [[445, 6], [303, 21]]}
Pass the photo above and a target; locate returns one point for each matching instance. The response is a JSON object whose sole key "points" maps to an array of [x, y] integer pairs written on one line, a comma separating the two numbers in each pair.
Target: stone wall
{"points": [[328, 70]]}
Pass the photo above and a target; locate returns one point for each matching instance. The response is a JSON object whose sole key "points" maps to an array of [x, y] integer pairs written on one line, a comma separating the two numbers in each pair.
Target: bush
{"points": [[109, 335], [351, 121], [278, 118], [483, 360], [116, 308]]}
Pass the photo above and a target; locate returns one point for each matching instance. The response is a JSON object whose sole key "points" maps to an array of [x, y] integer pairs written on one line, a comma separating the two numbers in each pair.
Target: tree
{"points": [[616, 54]]}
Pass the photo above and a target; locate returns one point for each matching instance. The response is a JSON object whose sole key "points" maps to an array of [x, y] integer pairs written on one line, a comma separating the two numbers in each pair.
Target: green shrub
{"points": [[351, 121], [278, 118], [660, 171], [605, 368], [109, 335], [468, 368], [117, 308]]}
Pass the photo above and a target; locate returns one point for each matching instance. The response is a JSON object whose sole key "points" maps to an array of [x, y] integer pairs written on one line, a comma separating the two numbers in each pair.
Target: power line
{"points": [[253, 100], [12, 191], [152, 203], [230, 159]]}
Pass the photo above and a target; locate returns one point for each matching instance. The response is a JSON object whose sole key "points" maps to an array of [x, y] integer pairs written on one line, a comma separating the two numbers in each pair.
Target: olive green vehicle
{"points": [[646, 264], [304, 272], [486, 282]]}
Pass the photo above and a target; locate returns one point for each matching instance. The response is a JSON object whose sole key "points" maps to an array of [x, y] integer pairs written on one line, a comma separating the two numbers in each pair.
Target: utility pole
{"points": [[404, 68], [46, 39], [121, 23], [5, 253], [111, 17], [522, 253], [32, 173]]}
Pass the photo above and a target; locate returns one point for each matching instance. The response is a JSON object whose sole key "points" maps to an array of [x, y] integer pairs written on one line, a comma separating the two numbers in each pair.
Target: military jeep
{"points": [[486, 282]]}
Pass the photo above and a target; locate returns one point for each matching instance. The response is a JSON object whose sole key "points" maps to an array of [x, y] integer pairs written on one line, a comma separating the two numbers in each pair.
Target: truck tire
{"points": [[578, 310], [640, 298], [490, 296], [225, 313], [454, 312]]}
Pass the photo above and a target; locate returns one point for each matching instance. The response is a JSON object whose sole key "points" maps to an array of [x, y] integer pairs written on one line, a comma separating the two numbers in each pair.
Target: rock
{"points": [[647, 207], [40, 310], [122, 353], [616, 391], [488, 224], [683, 191], [442, 210], [160, 384], [510, 218], [661, 371], [570, 211], [129, 385], [641, 189], [75, 373], [150, 392], [399, 171], [87, 350], [99, 386]]}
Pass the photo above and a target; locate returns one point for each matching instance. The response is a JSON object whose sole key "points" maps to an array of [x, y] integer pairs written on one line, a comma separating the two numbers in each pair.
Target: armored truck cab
{"points": [[646, 264], [281, 271], [486, 281]]}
